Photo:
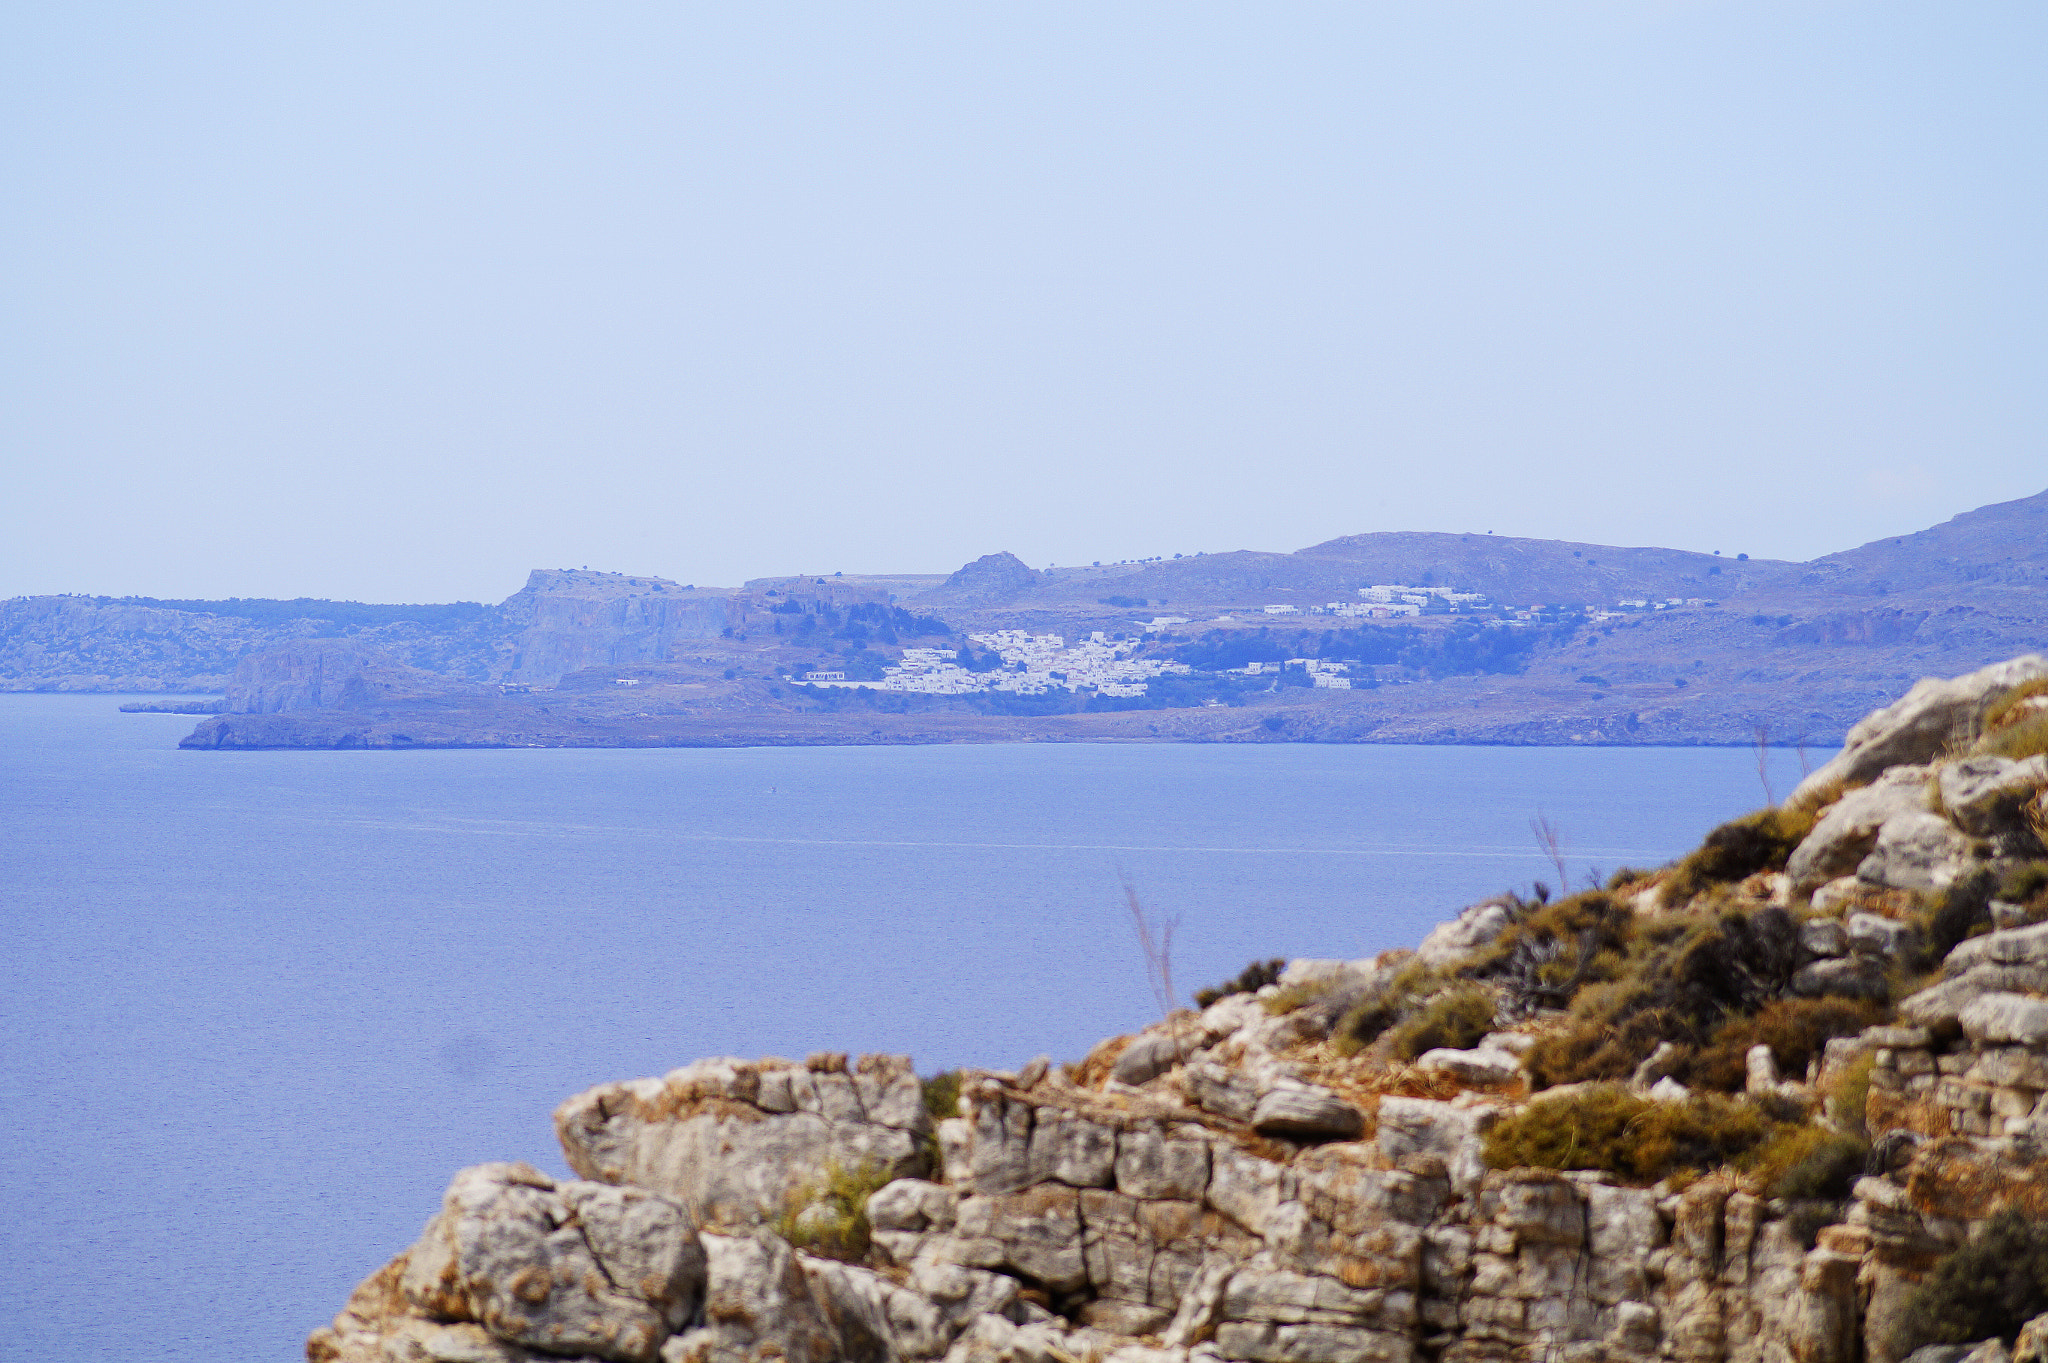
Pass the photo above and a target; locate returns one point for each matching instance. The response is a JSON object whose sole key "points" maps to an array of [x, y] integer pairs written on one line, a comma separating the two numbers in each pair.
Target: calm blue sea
{"points": [[258, 1006]]}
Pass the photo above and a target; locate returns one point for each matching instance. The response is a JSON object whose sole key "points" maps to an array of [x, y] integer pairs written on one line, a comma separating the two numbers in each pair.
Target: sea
{"points": [[255, 1008]]}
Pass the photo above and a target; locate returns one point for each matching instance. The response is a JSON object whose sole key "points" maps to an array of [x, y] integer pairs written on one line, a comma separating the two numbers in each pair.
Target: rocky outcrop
{"points": [[733, 1139], [992, 579], [563, 620], [1272, 1180], [582, 1269], [315, 674], [1919, 726]]}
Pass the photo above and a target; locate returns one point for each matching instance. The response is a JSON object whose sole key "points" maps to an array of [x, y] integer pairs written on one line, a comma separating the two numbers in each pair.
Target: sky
{"points": [[396, 302]]}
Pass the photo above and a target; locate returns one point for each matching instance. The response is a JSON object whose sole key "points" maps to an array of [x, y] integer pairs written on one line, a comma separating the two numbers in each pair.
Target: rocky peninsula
{"points": [[1383, 638], [1784, 1101]]}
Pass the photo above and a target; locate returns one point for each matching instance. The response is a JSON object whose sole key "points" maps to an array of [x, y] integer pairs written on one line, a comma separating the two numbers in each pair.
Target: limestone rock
{"points": [[1942, 1004], [1449, 944], [1855, 977], [1017, 1143], [1875, 936], [1984, 794], [871, 1315], [575, 1268], [733, 1139], [1304, 1111], [2032, 1344], [1844, 835], [1823, 937], [2012, 946], [1921, 724], [1481, 1065], [1034, 1233], [757, 1304], [1220, 1089], [1154, 1053], [1153, 1163], [1420, 1126], [1940, 1353], [903, 1213], [2006, 1020], [311, 674], [1761, 1071], [1916, 851]]}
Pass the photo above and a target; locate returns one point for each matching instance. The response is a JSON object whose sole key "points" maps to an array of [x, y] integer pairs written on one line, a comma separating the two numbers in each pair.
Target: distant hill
{"points": [[2004, 544], [1548, 642]]}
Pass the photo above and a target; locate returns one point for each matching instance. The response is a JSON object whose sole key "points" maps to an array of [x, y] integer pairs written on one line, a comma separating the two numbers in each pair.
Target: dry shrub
{"points": [[1609, 1129], [1987, 1288], [1817, 800], [1849, 1094], [1809, 1162], [1960, 911], [1289, 997], [2011, 708], [1680, 983], [2020, 731], [942, 1095], [1383, 1006], [1458, 1017], [829, 1215], [1607, 1045], [1250, 980], [1543, 960], [2027, 886], [1795, 1029], [1762, 841]]}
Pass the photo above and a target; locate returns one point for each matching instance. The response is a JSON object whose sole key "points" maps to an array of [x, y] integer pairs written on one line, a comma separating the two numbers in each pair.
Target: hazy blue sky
{"points": [[394, 302]]}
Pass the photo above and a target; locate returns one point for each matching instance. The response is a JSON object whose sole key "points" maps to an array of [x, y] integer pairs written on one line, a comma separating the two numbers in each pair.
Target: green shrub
{"points": [[1681, 978], [1795, 1029], [1806, 1220], [1958, 912], [1562, 925], [1809, 1162], [942, 1095], [1609, 1129], [1989, 1287], [1457, 1018], [1762, 841], [1850, 1094], [2026, 884], [1250, 980], [1555, 950], [1397, 1000], [829, 1216]]}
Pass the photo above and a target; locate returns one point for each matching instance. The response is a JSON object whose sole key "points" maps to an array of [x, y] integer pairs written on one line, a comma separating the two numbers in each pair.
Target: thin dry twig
{"points": [[1763, 762], [1155, 939], [1550, 838]]}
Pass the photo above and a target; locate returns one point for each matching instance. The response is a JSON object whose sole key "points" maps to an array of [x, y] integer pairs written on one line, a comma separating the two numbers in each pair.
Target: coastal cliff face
{"points": [[330, 674], [1782, 1102], [564, 620]]}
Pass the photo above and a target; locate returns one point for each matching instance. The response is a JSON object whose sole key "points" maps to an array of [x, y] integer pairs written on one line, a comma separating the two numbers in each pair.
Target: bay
{"points": [[257, 1007]]}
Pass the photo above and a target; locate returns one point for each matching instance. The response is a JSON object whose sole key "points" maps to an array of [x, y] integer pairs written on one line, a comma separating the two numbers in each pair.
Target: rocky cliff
{"points": [[1785, 1101], [565, 620]]}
